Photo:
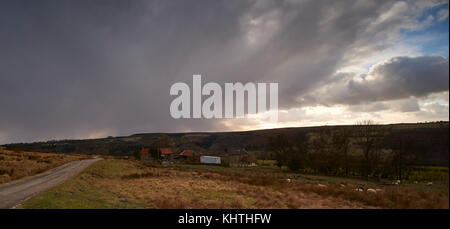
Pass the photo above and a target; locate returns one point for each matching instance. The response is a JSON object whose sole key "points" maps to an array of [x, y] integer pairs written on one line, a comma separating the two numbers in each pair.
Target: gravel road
{"points": [[16, 192]]}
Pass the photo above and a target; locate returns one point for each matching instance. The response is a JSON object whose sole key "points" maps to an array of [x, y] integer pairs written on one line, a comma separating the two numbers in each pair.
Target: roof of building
{"points": [[145, 151], [187, 153], [166, 151]]}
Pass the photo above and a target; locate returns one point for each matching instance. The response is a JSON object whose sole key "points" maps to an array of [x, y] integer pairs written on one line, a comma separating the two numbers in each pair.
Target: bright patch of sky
{"points": [[433, 39]]}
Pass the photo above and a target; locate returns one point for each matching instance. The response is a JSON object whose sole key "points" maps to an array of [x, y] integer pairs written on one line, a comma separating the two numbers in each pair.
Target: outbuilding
{"points": [[210, 160]]}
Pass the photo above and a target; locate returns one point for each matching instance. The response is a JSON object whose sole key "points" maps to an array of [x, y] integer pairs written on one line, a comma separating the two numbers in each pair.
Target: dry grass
{"points": [[416, 196], [16, 164], [130, 184]]}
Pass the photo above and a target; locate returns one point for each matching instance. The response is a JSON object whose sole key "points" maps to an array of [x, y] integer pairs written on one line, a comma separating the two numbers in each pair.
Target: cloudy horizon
{"points": [[91, 69]]}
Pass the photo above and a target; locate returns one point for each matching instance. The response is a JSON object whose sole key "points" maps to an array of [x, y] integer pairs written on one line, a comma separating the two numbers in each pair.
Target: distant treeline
{"points": [[365, 149]]}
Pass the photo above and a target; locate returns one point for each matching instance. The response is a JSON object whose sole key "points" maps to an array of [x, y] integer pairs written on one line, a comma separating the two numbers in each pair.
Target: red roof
{"points": [[187, 153], [145, 151], [166, 151], [244, 158]]}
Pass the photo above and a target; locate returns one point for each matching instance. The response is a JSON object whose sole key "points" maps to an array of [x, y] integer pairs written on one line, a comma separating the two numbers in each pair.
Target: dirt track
{"points": [[15, 193]]}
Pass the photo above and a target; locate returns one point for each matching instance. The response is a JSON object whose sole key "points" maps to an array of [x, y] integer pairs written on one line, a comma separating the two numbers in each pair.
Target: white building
{"points": [[210, 160]]}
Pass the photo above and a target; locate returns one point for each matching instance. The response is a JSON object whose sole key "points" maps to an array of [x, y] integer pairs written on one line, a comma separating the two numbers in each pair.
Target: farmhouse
{"points": [[248, 160], [189, 156], [186, 154], [145, 154], [166, 153]]}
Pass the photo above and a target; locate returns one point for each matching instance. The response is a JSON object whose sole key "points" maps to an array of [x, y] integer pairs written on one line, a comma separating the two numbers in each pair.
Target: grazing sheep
{"points": [[288, 180], [430, 183], [371, 190], [359, 189], [322, 186]]}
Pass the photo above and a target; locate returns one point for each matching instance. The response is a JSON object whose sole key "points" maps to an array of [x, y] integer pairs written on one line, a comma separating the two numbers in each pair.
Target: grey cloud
{"points": [[76, 68], [408, 105], [371, 107], [401, 105], [397, 78]]}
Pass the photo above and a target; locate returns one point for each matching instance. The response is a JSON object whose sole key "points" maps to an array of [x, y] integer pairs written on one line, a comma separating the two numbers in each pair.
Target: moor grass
{"points": [[17, 164], [114, 183]]}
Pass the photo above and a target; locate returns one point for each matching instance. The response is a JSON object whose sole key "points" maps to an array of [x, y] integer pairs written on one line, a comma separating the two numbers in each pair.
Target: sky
{"points": [[97, 68]]}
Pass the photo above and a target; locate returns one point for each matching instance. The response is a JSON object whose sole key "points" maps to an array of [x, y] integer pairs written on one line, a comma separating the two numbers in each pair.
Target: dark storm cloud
{"points": [[72, 68], [93, 68]]}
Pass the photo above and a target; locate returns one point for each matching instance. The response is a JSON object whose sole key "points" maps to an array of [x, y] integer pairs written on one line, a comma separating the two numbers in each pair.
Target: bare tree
{"points": [[281, 147], [369, 136], [289, 152], [325, 157], [297, 156], [342, 144], [401, 145]]}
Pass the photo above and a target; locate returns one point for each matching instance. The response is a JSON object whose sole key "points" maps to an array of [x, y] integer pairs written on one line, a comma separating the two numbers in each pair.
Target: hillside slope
{"points": [[431, 140]]}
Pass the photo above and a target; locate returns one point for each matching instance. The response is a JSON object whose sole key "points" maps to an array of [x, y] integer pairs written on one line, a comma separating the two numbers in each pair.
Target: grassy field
{"points": [[429, 173], [16, 164], [113, 183]]}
